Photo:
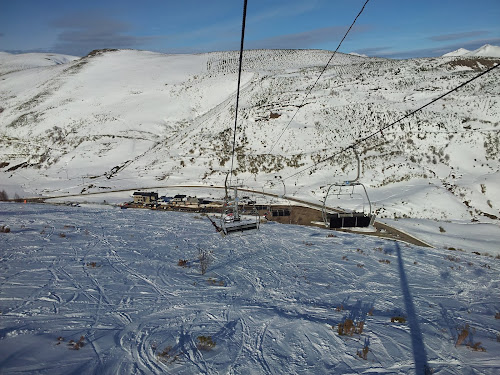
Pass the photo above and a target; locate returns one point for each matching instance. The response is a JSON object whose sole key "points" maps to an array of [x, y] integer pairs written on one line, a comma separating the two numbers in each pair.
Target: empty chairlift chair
{"points": [[354, 219], [232, 221]]}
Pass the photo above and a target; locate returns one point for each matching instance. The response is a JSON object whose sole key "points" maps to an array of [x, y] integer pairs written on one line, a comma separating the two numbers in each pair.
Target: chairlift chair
{"points": [[231, 220], [334, 220]]}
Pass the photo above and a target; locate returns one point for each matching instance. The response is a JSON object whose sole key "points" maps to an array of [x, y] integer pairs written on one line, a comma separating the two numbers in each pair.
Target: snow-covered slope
{"points": [[129, 119], [124, 287], [15, 62]]}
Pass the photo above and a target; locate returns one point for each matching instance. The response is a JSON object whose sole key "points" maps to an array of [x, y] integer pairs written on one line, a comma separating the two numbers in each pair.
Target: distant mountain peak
{"points": [[458, 52], [485, 51]]}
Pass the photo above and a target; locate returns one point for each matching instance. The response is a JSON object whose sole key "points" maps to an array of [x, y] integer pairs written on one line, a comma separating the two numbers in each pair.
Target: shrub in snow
{"points": [[205, 343], [398, 319], [169, 356], [349, 327]]}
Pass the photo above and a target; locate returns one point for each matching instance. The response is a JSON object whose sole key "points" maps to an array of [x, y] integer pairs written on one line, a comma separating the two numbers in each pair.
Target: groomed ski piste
{"points": [[95, 289]]}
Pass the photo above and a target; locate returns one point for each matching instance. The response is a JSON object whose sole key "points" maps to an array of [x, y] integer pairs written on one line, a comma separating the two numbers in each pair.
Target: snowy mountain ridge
{"points": [[485, 51], [121, 119]]}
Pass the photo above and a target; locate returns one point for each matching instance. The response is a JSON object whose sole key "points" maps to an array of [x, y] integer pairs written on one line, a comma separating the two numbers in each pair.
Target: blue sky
{"points": [[387, 28]]}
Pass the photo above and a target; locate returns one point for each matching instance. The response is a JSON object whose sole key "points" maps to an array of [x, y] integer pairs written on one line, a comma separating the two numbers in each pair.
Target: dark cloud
{"points": [[31, 50], [308, 39], [457, 36], [84, 32], [374, 51]]}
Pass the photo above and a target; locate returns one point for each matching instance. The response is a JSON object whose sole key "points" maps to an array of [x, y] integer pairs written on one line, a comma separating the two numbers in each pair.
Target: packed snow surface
{"points": [[126, 287]]}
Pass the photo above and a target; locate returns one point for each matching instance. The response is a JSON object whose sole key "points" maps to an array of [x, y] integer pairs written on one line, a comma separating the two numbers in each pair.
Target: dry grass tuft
{"points": [[349, 328], [363, 354], [385, 261], [205, 343], [92, 264], [398, 319], [497, 315], [78, 344], [182, 263], [463, 335], [169, 356], [213, 281], [476, 347], [4, 229]]}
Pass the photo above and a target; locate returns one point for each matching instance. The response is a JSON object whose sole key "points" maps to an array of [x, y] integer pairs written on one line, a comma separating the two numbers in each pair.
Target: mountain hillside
{"points": [[119, 119]]}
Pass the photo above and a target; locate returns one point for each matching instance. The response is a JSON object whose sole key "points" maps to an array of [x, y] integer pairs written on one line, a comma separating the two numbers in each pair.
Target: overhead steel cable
{"points": [[317, 79], [360, 140], [238, 89]]}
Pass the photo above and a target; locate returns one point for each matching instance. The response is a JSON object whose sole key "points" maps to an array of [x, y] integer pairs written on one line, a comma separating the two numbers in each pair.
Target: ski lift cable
{"points": [[361, 140], [318, 78], [238, 89]]}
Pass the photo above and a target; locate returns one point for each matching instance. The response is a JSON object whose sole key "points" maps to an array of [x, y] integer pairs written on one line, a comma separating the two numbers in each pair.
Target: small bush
{"points": [[78, 344], [182, 263], [205, 258], [463, 335], [476, 347], [349, 328], [497, 315], [205, 343], [385, 261], [398, 319], [442, 230], [213, 281], [363, 354], [4, 229], [169, 356], [4, 196]]}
